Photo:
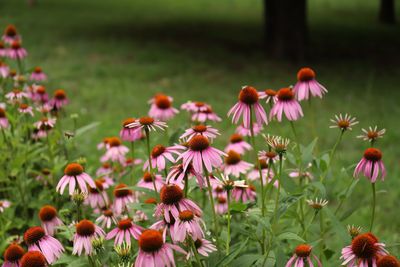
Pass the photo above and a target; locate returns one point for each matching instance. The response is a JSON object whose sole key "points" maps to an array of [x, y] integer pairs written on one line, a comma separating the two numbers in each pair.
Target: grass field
{"points": [[112, 56]]}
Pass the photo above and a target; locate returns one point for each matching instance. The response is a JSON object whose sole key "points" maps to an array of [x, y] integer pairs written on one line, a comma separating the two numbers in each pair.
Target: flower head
{"points": [[286, 104], [123, 232], [129, 134], [317, 204], [85, 233], [354, 230], [388, 261], [372, 134], [161, 107], [278, 144], [371, 165], [303, 255], [269, 95], [307, 85], [344, 123], [122, 197], [200, 129], [13, 255], [234, 165], [237, 144], [33, 259], [148, 124], [75, 175], [50, 221]]}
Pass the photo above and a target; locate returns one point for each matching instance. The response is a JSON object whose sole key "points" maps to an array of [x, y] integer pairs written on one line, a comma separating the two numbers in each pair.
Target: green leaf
{"points": [[238, 207], [86, 128], [235, 252], [290, 236], [307, 152]]}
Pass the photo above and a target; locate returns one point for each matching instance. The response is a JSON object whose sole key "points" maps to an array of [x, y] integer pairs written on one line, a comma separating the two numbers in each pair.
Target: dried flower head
{"points": [[344, 123], [372, 134], [317, 204]]}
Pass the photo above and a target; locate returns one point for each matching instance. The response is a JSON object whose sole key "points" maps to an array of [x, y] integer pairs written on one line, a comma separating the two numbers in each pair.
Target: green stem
{"points": [[279, 189], [186, 185], [309, 225], [228, 237], [195, 252], [373, 203], [343, 199], [133, 161], [331, 155], [321, 228], [211, 199], [149, 156]]}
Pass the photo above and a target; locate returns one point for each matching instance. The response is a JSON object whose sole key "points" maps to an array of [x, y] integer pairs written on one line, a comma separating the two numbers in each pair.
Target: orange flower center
{"points": [[303, 251], [46, 171], [125, 224], [33, 235], [85, 228], [343, 124], [128, 121], [23, 106], [99, 186], [2, 113], [73, 169], [270, 92], [151, 241], [47, 213], [147, 177], [10, 31], [157, 151], [41, 90], [221, 200], [373, 154], [13, 253], [106, 165], [37, 69], [270, 154], [363, 246], [388, 261], [236, 138], [162, 101], [372, 135], [146, 120], [186, 215], [108, 213], [33, 259], [199, 128], [171, 194], [114, 142], [16, 45], [232, 158], [60, 94], [263, 164], [305, 74], [285, 94], [248, 95], [199, 143], [122, 190], [199, 104]]}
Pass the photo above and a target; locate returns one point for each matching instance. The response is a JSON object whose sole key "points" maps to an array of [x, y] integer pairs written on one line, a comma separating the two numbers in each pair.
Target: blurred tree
{"points": [[286, 28], [387, 11]]}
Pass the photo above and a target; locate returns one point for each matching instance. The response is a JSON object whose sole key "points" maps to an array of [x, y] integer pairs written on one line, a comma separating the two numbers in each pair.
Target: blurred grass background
{"points": [[112, 56]]}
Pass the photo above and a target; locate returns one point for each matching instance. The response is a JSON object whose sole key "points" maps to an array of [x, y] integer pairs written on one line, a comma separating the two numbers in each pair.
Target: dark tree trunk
{"points": [[387, 11], [286, 28]]}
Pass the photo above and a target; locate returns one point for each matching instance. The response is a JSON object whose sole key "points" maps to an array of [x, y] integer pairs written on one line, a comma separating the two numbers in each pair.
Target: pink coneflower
{"points": [[59, 100], [37, 240], [86, 231], [372, 134], [106, 182], [234, 165], [104, 143], [303, 255], [237, 144], [147, 181], [25, 109], [105, 169], [129, 134], [286, 104], [195, 107], [45, 123], [74, 175], [122, 197], [307, 84], [4, 69], [248, 101], [200, 129], [172, 202], [10, 34], [206, 115], [49, 219], [3, 119], [388, 261], [159, 155], [16, 51], [244, 193], [304, 175], [106, 219], [16, 95], [344, 123], [371, 165], [187, 224], [33, 258], [243, 131], [148, 124], [3, 53], [116, 151], [97, 196], [221, 206], [200, 152], [38, 75], [266, 171], [177, 175], [161, 108], [269, 95], [164, 227], [203, 247], [39, 94], [129, 162], [4, 204], [364, 250], [13, 256], [154, 252], [124, 231]]}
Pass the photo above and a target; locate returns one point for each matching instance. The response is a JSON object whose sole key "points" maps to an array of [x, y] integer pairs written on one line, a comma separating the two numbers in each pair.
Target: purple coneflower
{"points": [[205, 115], [38, 94], [74, 175], [159, 155], [303, 255], [234, 165], [129, 134], [371, 165], [344, 123], [106, 219], [16, 95], [161, 108], [307, 85], [245, 193], [269, 95], [178, 172], [49, 219], [105, 169], [221, 206], [187, 224], [97, 196], [38, 75], [388, 261], [147, 181], [243, 131], [10, 34], [16, 51], [122, 197], [33, 258], [248, 100], [203, 247], [172, 202], [115, 152], [13, 255], [37, 240], [207, 131], [125, 229], [372, 134], [3, 119], [237, 144], [4, 68], [59, 100], [286, 104], [148, 124], [25, 109], [86, 231]]}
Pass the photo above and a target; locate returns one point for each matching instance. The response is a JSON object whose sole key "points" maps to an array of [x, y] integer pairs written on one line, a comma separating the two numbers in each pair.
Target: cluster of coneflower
{"points": [[189, 186]]}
